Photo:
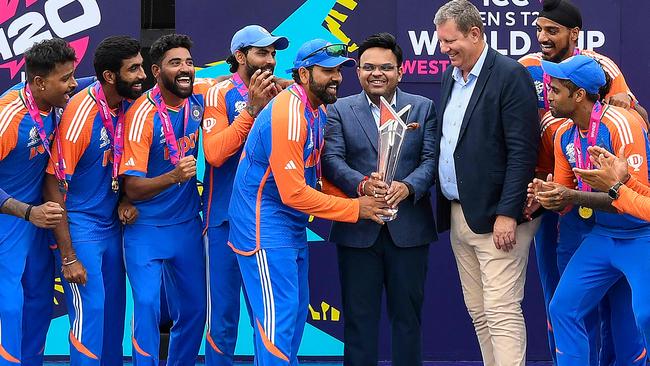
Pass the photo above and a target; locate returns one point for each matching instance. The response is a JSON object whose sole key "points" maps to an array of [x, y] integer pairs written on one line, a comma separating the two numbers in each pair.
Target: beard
{"points": [[561, 55], [320, 90], [250, 69], [125, 89], [170, 84]]}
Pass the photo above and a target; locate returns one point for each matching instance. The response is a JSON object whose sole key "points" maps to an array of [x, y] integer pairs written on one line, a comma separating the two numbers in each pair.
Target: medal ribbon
{"points": [[59, 172], [311, 120], [115, 134], [594, 125], [168, 130], [241, 87]]}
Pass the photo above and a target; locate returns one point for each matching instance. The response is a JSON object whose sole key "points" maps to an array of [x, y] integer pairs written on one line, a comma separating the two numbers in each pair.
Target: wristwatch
{"points": [[613, 191]]}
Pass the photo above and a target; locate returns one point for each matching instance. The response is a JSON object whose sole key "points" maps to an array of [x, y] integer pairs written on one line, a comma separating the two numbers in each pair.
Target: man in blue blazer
{"points": [[486, 154], [392, 256]]}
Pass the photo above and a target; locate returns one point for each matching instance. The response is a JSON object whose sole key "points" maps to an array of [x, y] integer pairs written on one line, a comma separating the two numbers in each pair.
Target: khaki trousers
{"points": [[493, 288]]}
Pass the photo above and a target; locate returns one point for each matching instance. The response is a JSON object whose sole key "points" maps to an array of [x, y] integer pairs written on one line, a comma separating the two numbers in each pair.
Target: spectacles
{"points": [[382, 67], [332, 50]]}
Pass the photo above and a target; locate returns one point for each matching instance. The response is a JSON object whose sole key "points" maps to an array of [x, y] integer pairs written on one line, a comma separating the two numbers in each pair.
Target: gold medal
{"points": [[585, 212], [115, 185]]}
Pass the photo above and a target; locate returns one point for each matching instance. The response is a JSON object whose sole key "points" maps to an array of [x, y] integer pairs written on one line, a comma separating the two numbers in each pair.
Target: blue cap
{"points": [[583, 71], [321, 59], [256, 36]]}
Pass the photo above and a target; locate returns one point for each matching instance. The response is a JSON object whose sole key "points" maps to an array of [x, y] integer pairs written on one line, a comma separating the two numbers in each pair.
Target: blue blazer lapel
{"points": [[478, 89], [361, 110]]}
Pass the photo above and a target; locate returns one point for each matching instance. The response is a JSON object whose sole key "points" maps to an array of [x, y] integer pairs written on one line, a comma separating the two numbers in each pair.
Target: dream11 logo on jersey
{"points": [[25, 22]]}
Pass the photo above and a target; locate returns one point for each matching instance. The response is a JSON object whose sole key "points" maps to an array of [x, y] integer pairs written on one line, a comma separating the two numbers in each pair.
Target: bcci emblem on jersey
{"points": [[197, 113]]}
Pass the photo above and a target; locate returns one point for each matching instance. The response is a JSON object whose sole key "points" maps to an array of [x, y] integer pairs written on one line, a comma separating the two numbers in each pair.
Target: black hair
{"points": [[42, 57], [296, 76], [166, 43], [232, 61], [604, 90], [111, 52], [574, 88], [382, 40]]}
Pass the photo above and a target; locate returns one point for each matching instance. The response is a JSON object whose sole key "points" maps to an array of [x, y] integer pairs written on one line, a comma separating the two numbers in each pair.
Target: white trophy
{"points": [[392, 131]]}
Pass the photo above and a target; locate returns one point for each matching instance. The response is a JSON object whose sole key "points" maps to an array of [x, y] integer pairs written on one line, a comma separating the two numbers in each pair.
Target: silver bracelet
{"points": [[70, 262]]}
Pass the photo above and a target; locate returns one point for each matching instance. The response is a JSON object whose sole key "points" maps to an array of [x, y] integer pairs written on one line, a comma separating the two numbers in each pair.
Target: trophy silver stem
{"points": [[392, 131]]}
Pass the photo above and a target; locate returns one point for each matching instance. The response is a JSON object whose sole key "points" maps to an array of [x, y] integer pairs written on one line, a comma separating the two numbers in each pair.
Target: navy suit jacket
{"points": [[496, 152], [350, 153]]}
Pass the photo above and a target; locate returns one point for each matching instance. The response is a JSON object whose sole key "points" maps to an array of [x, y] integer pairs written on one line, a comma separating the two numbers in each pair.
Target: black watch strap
{"points": [[613, 191]]}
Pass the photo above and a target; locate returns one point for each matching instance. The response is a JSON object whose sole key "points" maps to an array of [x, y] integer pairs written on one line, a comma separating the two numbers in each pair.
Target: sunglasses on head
{"points": [[332, 50]]}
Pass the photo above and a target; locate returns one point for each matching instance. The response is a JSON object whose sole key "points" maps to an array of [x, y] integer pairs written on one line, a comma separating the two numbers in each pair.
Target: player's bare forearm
{"points": [[61, 231], [596, 200], [140, 188], [14, 207]]}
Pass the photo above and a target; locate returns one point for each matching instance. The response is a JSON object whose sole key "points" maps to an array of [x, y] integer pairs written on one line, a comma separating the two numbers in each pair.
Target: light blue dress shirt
{"points": [[452, 119]]}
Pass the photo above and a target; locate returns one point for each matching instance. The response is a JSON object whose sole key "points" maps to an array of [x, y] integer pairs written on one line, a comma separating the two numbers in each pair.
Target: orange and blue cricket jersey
{"points": [[558, 238], [273, 193], [95, 230], [616, 246], [23, 160], [164, 245], [146, 155], [225, 127], [273, 196]]}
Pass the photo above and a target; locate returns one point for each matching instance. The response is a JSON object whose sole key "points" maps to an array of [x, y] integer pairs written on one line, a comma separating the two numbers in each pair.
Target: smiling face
{"points": [[556, 41], [257, 58], [463, 49], [129, 79], [176, 72], [323, 83], [58, 85], [379, 72]]}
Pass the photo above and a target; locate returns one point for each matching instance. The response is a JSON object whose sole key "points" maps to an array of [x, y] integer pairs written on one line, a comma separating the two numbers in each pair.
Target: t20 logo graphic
{"points": [[19, 30]]}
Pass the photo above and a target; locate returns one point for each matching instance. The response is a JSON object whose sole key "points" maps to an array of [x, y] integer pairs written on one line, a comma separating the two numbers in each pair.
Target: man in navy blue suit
{"points": [[392, 256], [486, 152]]}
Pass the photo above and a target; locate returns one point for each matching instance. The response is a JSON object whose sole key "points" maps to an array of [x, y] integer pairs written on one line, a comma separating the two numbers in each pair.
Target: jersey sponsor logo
{"points": [[185, 143], [35, 146], [635, 161], [290, 165], [208, 124], [130, 162], [103, 138], [239, 106]]}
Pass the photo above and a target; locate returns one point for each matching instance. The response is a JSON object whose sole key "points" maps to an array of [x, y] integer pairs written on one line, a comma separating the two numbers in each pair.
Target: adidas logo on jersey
{"points": [[290, 165], [130, 162]]}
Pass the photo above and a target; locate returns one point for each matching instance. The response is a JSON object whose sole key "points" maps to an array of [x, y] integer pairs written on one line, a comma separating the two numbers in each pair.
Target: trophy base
{"points": [[391, 217]]}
